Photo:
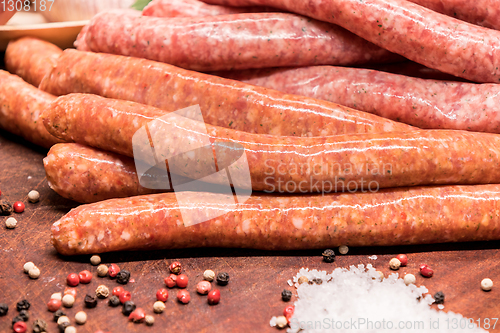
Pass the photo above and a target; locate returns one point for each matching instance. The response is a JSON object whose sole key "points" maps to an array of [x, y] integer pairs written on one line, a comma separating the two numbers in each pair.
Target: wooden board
{"points": [[257, 277]]}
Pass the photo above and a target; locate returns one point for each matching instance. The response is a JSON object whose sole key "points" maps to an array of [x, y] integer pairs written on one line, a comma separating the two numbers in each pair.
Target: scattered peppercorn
{"points": [[394, 264], [70, 291], [95, 260], [286, 295], [72, 279], [39, 326], [209, 275], [68, 300], [409, 279], [203, 287], [62, 326], [58, 314], [123, 277], [128, 307], [162, 295], [403, 259], [102, 270], [281, 322], [158, 307], [27, 266], [222, 279], [171, 280], [150, 320], [5, 208], [4, 308], [114, 301], [25, 316], [70, 329], [34, 273], [137, 316], [328, 255], [63, 319], [303, 279], [85, 276], [426, 271], [23, 305], [33, 196], [213, 297], [343, 249], [183, 296], [182, 281], [113, 270], [288, 311], [80, 317], [486, 284], [439, 297], [10, 223], [56, 296], [90, 301], [125, 296], [102, 291], [54, 304], [175, 267], [20, 327], [318, 281], [117, 291], [18, 207]]}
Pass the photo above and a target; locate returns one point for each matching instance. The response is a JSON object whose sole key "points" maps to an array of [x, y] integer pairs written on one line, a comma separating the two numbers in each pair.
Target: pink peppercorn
{"points": [[214, 297], [171, 281], [403, 259], [137, 316], [175, 267], [73, 280], [54, 305], [162, 295], [203, 287], [125, 296], [18, 207], [182, 281], [85, 276], [426, 271], [113, 270], [183, 296]]}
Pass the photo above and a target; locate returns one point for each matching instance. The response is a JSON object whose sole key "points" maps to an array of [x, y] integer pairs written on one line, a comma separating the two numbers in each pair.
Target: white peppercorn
{"points": [[281, 321], [409, 279], [34, 273], [380, 276], [303, 279], [70, 329], [102, 291], [486, 284], [209, 275], [343, 249], [150, 320], [62, 319], [102, 270], [68, 301], [159, 307], [81, 318], [11, 223], [57, 296], [95, 260], [394, 264], [33, 196], [27, 266]]}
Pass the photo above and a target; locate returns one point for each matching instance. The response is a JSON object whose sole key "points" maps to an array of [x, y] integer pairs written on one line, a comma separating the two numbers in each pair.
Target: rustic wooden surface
{"points": [[257, 277]]}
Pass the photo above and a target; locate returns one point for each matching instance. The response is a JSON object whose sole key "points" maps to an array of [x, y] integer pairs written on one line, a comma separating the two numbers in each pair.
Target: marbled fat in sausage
{"points": [[195, 8], [223, 102], [417, 215]]}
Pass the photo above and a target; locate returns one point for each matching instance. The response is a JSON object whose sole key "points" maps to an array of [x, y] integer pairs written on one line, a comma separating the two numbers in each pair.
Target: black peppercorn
{"points": [[329, 255], [62, 326], [128, 307], [222, 279], [58, 314], [90, 301], [123, 276], [317, 280], [16, 319], [23, 305], [5, 207], [4, 308], [286, 295], [439, 297], [114, 301], [24, 315], [39, 326]]}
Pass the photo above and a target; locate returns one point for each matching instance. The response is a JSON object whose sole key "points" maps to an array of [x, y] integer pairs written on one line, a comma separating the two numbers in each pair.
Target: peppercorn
{"points": [[113, 270], [85, 276], [426, 271], [182, 281], [125, 296], [23, 305], [318, 281], [10, 223], [16, 319], [102, 291], [286, 295], [222, 279], [171, 281], [162, 295], [209, 275], [34, 273], [114, 301], [380, 276], [57, 296], [62, 319], [69, 291], [158, 307], [68, 300], [90, 301], [39, 326], [288, 311], [281, 321], [72, 279], [214, 297], [62, 326], [175, 267], [203, 287], [137, 316], [25, 316], [343, 249], [303, 279], [5, 208], [150, 320], [439, 297], [33, 196], [18, 207], [394, 264], [81, 317], [27, 266], [128, 307], [123, 277], [486, 284], [95, 260], [70, 329], [328, 255], [102, 270], [4, 308], [183, 296], [58, 314], [20, 327], [409, 279], [403, 259]]}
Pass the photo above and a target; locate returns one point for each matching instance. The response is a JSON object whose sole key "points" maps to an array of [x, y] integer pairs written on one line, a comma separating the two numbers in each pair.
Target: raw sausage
{"points": [[195, 8], [418, 102], [86, 174], [415, 32], [22, 59], [283, 164], [226, 42], [417, 215], [223, 102], [21, 105]]}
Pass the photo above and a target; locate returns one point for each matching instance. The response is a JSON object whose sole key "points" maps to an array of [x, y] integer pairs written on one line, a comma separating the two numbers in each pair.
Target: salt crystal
{"points": [[290, 283], [373, 257], [272, 322], [440, 306]]}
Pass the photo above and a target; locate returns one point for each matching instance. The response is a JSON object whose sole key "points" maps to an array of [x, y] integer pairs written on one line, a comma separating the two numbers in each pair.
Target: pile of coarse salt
{"points": [[355, 300]]}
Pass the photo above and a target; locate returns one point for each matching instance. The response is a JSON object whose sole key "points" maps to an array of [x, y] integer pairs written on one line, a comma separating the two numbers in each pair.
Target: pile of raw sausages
{"points": [[336, 155]]}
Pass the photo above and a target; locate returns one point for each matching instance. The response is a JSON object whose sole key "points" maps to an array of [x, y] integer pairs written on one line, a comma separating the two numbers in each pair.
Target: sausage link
{"points": [[417, 215], [21, 105], [284, 164], [86, 174], [195, 8], [417, 102], [20, 58], [223, 102], [415, 32], [239, 41]]}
